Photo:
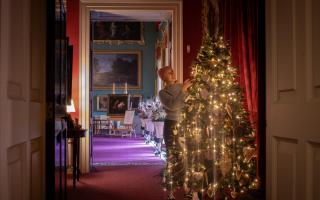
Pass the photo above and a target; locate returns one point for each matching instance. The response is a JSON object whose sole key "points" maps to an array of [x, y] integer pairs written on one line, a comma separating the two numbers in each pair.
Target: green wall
{"points": [[148, 64]]}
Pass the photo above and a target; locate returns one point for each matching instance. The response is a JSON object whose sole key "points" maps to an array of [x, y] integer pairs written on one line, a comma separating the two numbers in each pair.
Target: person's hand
{"points": [[186, 84]]}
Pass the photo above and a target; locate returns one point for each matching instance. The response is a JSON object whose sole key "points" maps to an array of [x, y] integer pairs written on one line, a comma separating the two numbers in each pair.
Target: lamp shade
{"points": [[71, 108]]}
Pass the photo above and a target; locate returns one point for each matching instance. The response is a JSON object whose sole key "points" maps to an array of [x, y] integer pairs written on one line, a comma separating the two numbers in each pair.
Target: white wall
{"points": [[22, 85]]}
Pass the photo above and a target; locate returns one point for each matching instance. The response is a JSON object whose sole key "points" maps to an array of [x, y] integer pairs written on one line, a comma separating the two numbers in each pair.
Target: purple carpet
{"points": [[112, 151]]}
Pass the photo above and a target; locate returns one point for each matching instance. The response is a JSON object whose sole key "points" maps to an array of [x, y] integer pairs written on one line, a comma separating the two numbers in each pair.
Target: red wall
{"points": [[192, 34], [73, 34]]}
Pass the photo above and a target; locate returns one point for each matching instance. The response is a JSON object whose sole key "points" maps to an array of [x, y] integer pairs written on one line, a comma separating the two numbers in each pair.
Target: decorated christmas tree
{"points": [[215, 141]]}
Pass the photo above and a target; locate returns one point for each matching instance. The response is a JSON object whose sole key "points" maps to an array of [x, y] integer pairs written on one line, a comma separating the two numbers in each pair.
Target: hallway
{"points": [[111, 151]]}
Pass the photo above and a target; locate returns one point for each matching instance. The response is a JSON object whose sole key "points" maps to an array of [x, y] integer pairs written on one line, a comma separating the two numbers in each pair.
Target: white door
{"points": [[22, 115], [293, 99]]}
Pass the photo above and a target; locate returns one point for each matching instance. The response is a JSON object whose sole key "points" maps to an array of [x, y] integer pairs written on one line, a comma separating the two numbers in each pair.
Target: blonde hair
{"points": [[162, 70]]}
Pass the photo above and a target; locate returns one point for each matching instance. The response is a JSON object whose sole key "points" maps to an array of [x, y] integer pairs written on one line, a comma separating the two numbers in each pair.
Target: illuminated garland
{"points": [[215, 141]]}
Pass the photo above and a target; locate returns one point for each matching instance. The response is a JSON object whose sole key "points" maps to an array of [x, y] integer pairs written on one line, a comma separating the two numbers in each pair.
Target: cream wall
{"points": [[22, 86]]}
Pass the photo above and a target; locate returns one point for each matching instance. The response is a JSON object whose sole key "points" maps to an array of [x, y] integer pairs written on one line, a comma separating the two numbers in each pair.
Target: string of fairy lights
{"points": [[215, 144]]}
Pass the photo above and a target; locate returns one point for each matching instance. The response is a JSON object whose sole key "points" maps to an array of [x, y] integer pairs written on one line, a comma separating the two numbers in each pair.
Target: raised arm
{"points": [[171, 102]]}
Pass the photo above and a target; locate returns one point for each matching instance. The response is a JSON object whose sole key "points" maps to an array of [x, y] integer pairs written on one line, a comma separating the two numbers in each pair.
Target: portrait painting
{"points": [[102, 103], [135, 101], [116, 67], [110, 32], [118, 104]]}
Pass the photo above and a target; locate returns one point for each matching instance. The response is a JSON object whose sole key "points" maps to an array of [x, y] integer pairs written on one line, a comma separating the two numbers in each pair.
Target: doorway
{"points": [[126, 49], [175, 8]]}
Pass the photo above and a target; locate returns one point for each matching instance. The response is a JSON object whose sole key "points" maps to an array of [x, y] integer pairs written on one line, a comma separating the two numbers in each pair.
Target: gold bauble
{"points": [[211, 190], [197, 176]]}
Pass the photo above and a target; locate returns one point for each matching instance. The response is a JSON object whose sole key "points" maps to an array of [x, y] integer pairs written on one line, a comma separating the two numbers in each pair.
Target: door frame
{"points": [[173, 6]]}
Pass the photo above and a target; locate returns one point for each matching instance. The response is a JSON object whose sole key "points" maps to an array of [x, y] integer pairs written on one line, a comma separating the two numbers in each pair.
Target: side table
{"points": [[75, 135]]}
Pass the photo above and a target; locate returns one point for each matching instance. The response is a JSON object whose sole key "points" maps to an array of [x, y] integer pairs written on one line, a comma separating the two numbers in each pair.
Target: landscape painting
{"points": [[116, 68]]}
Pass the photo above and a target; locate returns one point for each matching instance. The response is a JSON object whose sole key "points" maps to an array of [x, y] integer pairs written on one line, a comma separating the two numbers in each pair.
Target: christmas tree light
{"points": [[214, 140]]}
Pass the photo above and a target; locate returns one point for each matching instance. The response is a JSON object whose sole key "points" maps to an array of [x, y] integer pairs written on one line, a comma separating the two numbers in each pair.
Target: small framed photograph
{"points": [[134, 101], [118, 104], [102, 103]]}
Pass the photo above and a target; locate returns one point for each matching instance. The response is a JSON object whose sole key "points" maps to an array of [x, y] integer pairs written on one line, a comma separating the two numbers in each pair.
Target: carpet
{"points": [[120, 183], [116, 151]]}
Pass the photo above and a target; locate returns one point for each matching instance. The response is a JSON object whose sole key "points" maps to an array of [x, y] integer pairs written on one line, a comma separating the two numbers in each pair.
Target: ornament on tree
{"points": [[195, 196], [229, 110], [225, 164], [211, 190], [218, 152], [204, 94], [234, 194], [249, 153], [205, 78], [198, 176], [238, 172]]}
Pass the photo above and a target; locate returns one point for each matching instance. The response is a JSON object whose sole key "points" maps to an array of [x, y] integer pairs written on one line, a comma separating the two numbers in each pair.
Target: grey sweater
{"points": [[172, 98]]}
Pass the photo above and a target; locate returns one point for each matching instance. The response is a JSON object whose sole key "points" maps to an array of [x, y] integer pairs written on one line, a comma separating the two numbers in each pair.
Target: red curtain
{"points": [[241, 30]]}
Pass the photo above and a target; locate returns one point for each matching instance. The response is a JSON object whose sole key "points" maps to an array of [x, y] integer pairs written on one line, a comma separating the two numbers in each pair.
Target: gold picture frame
{"points": [[117, 70], [102, 103], [134, 101], [115, 33], [118, 104]]}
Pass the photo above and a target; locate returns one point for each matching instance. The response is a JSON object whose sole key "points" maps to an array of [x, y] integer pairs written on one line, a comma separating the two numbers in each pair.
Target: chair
{"points": [[127, 129]]}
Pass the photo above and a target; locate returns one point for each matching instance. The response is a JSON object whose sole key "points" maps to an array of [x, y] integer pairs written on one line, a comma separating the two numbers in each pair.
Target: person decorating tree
{"points": [[172, 98]]}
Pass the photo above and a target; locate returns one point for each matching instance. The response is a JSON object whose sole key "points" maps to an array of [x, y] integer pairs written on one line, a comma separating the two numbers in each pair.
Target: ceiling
{"points": [[131, 15]]}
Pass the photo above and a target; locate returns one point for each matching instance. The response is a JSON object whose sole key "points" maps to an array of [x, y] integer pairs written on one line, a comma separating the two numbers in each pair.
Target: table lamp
{"points": [[71, 108]]}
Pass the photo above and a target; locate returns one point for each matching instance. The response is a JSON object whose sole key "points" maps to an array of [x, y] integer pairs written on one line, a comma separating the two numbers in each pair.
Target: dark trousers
{"points": [[168, 135]]}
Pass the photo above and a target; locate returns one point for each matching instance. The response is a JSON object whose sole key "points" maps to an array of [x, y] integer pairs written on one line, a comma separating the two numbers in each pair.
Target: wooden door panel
{"points": [[293, 104]]}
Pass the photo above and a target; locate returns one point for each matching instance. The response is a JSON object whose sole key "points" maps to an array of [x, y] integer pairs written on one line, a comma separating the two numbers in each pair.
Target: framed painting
{"points": [[109, 32], [118, 104], [102, 103], [134, 101], [116, 67]]}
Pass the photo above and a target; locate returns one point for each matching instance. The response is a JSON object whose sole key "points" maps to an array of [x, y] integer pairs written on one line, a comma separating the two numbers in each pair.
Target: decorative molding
{"points": [[308, 27], [274, 51], [17, 168], [287, 90], [312, 170], [36, 169], [283, 149], [37, 50], [312, 87]]}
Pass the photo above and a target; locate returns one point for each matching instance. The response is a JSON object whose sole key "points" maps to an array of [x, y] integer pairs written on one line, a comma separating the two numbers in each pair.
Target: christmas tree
{"points": [[215, 142]]}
